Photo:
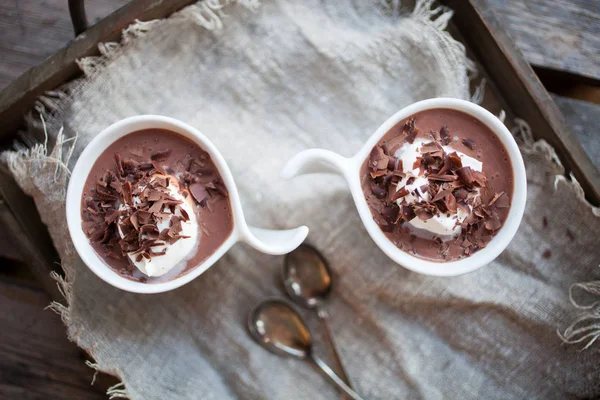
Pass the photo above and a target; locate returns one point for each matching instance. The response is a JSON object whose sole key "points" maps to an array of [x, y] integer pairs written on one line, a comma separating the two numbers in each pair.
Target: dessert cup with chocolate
{"points": [[152, 204], [440, 186]]}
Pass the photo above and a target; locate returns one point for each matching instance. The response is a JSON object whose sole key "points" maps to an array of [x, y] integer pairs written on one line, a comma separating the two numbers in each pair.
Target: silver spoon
{"points": [[278, 327], [307, 280]]}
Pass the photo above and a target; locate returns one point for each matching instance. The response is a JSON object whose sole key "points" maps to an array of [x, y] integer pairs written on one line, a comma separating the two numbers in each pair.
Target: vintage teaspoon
{"points": [[278, 327], [307, 280]]}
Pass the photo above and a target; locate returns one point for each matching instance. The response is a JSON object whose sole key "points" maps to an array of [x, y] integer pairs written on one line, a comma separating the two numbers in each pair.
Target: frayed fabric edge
{"points": [[585, 328], [524, 136]]}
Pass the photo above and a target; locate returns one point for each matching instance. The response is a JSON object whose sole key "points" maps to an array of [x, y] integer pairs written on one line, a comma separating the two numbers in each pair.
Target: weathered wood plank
{"points": [[23, 226], [9, 248], [36, 359], [584, 120], [60, 67], [556, 34], [31, 30], [520, 88]]}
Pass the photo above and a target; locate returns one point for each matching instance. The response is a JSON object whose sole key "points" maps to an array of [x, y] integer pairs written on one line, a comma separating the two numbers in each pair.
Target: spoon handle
{"points": [[335, 379], [323, 316]]}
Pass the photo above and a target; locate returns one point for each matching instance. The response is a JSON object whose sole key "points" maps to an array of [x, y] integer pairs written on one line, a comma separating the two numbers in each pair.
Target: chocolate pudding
{"points": [[154, 206], [439, 184]]}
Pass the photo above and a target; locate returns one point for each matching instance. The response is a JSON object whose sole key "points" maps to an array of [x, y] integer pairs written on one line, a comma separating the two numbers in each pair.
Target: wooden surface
{"points": [[556, 34], [27, 237], [31, 30], [60, 67], [36, 360], [583, 118], [561, 35]]}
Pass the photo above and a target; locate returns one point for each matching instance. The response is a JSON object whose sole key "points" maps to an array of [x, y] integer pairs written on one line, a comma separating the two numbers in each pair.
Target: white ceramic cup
{"points": [[319, 160], [265, 240]]}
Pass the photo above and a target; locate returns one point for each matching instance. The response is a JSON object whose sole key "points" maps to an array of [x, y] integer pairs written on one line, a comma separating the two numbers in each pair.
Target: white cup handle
{"points": [[314, 161], [273, 241]]}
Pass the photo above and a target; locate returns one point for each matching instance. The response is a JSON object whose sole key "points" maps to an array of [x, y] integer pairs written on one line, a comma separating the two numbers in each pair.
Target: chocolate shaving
{"points": [[127, 193], [198, 192], [156, 207], [143, 216], [418, 164], [158, 167], [444, 135], [184, 214], [150, 230], [221, 188], [411, 131], [442, 178], [160, 181], [378, 191], [469, 143], [161, 155], [134, 221], [395, 143], [465, 174], [400, 193], [137, 151], [492, 224], [423, 213], [455, 160], [112, 217], [479, 178], [430, 147], [496, 197], [378, 159], [130, 166], [117, 186], [119, 164], [446, 167], [463, 206], [450, 202], [440, 195], [154, 195], [408, 213], [503, 201], [390, 215], [393, 163], [377, 174]]}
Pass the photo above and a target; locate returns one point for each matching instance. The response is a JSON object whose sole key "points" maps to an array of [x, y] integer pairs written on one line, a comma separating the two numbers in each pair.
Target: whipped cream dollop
{"points": [[171, 246], [443, 225]]}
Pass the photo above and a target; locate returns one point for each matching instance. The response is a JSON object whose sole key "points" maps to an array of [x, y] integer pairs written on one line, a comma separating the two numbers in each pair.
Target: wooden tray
{"points": [[512, 87]]}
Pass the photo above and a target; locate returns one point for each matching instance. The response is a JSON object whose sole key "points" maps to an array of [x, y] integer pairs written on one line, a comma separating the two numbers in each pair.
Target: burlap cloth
{"points": [[264, 83]]}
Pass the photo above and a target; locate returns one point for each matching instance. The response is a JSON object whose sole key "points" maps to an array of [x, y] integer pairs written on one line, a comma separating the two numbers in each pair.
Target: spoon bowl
{"points": [[280, 329], [306, 276]]}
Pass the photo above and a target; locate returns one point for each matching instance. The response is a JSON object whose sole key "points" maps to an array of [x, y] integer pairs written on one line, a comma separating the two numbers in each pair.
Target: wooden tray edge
{"points": [[19, 97], [523, 90]]}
